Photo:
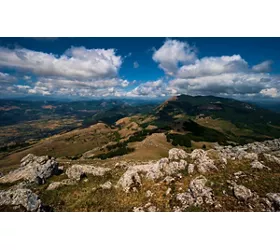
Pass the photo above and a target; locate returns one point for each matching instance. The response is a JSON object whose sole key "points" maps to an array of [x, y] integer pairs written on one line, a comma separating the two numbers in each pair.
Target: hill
{"points": [[220, 119]]}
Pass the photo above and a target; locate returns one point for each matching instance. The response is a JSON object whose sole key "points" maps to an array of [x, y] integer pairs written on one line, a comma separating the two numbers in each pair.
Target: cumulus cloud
{"points": [[58, 86], [263, 67], [75, 63], [38, 90], [228, 83], [209, 66], [173, 52], [271, 92], [224, 75], [78, 71], [151, 89]]}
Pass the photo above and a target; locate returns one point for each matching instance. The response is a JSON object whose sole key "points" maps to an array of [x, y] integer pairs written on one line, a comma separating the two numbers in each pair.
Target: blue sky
{"points": [[243, 68]]}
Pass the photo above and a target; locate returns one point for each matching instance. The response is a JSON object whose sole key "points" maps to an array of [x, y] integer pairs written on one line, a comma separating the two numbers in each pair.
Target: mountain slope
{"points": [[245, 122]]}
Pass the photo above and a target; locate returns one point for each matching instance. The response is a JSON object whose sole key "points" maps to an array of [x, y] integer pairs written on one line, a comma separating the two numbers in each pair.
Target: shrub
{"points": [[182, 140]]}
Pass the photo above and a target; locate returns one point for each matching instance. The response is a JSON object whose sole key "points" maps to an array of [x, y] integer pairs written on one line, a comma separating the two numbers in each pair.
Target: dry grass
{"points": [[153, 147], [222, 126]]}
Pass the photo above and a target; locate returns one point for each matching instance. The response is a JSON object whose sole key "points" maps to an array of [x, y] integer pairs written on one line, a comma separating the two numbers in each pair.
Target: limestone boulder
{"points": [[77, 171], [21, 197], [34, 169]]}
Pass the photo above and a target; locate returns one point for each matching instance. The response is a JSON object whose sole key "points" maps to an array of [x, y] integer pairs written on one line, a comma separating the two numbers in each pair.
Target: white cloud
{"points": [[151, 89], [75, 63], [224, 75], [61, 82], [271, 92], [135, 65], [23, 87], [39, 90], [208, 66], [263, 67], [173, 52], [229, 83], [61, 86], [6, 78]]}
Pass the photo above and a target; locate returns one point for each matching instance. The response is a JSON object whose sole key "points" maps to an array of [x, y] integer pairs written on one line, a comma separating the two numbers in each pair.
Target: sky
{"points": [[241, 68]]}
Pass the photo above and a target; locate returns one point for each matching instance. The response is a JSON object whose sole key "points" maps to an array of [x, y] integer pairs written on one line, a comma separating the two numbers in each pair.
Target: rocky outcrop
{"points": [[274, 198], [57, 184], [202, 161], [259, 166], [20, 198], [176, 154], [272, 159], [174, 167], [153, 170], [197, 194], [249, 151], [130, 181], [34, 169], [77, 171], [242, 193]]}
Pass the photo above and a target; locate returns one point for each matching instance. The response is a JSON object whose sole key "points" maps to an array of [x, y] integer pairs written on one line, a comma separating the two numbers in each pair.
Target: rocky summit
{"points": [[223, 178]]}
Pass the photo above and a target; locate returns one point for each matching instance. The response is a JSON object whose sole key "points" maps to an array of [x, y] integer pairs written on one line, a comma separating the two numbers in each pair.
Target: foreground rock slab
{"points": [[34, 169], [21, 198], [77, 171], [58, 184]]}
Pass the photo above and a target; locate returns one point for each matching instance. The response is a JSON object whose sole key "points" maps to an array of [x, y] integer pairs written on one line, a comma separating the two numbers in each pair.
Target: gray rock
{"points": [[146, 208], [138, 209], [198, 188], [177, 154], [77, 171], [130, 181], [174, 167], [272, 158], [122, 164], [106, 185], [168, 180], [275, 199], [21, 197], [168, 191], [202, 161], [55, 185], [259, 166], [185, 199], [34, 169], [251, 156], [191, 169], [149, 194], [151, 170], [242, 193], [152, 209], [197, 194]]}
